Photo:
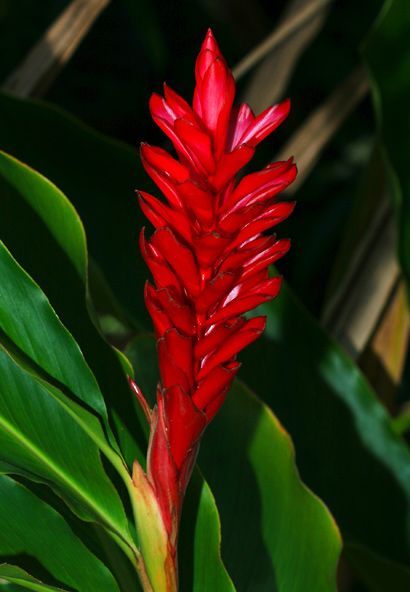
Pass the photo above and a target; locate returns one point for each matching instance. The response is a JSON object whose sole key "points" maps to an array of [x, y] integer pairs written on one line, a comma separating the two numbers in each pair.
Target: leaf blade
{"points": [[39, 542], [345, 441], [40, 439], [31, 206]]}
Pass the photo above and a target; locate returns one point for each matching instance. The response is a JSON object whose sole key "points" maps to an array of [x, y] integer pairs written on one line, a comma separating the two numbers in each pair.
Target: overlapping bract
{"points": [[209, 259]]}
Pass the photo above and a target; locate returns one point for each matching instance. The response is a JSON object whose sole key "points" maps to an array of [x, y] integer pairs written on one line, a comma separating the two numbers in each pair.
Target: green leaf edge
{"points": [[24, 579]]}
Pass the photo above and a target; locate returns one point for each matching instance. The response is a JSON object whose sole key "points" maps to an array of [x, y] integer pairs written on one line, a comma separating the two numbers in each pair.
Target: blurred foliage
{"points": [[391, 91]]}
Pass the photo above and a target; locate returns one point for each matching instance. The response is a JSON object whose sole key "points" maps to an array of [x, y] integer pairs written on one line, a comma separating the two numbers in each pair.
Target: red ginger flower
{"points": [[209, 258]]}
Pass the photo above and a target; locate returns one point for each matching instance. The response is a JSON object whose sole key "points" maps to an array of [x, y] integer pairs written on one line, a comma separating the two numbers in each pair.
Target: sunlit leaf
{"points": [[56, 260], [41, 440], [347, 450]]}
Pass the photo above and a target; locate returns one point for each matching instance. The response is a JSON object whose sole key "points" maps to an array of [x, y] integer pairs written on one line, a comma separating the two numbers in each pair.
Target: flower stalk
{"points": [[209, 259]]}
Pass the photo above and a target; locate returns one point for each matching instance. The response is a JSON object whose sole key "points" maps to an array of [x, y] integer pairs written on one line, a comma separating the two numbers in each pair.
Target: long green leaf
{"points": [[98, 175], [40, 439], [56, 259], [292, 542], [16, 575], [346, 446], [200, 540], [30, 528], [27, 318]]}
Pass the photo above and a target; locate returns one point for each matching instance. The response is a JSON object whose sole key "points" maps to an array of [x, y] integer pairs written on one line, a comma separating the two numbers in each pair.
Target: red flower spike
{"points": [[209, 260]]}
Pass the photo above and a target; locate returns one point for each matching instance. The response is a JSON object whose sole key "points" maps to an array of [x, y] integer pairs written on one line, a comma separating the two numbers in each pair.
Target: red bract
{"points": [[209, 259]]}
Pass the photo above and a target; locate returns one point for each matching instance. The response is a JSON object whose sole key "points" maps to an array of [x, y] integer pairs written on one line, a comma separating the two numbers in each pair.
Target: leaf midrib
{"points": [[72, 485], [30, 585]]}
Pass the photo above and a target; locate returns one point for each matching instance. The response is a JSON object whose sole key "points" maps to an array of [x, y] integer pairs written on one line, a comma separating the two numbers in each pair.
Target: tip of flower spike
{"points": [[210, 43]]}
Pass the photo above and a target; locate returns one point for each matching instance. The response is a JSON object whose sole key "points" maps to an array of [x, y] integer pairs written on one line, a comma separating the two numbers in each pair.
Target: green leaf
{"points": [[276, 535], [40, 334], [292, 542], [200, 541], [16, 575], [99, 176], [56, 260], [41, 440], [347, 450], [31, 528], [387, 53]]}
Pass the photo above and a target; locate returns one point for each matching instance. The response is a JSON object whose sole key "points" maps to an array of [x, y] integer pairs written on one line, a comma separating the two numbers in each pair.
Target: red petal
{"points": [[178, 105], [260, 222], [223, 119], [160, 159], [208, 247], [213, 89], [255, 181], [176, 349], [265, 123], [209, 44], [217, 94], [160, 319], [234, 343], [166, 122], [200, 202], [237, 220], [215, 336], [241, 118], [215, 384], [164, 184], [161, 272], [229, 164], [141, 399], [179, 258], [179, 313], [257, 187], [185, 423], [238, 306], [159, 109], [265, 258], [208, 54], [154, 217], [214, 291], [198, 144], [255, 254], [235, 260], [160, 215], [251, 285], [162, 471], [180, 349]]}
